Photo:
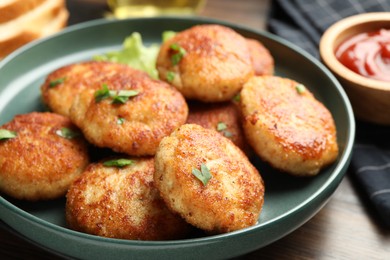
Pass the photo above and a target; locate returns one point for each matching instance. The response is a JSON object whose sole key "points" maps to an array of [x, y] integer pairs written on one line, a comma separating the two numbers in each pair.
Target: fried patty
{"points": [[209, 63], [122, 202], [262, 60], [224, 117], [64, 84], [232, 199], [287, 126], [134, 124], [43, 159]]}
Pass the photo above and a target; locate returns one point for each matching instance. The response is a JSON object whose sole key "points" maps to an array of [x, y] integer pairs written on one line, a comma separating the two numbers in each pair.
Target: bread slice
{"points": [[56, 24], [12, 9], [45, 19]]}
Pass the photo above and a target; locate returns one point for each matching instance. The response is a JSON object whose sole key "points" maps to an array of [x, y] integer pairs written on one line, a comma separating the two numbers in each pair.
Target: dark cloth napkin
{"points": [[302, 22]]}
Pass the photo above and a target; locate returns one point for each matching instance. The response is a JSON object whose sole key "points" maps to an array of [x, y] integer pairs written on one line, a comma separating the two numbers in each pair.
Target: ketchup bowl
{"points": [[357, 50]]}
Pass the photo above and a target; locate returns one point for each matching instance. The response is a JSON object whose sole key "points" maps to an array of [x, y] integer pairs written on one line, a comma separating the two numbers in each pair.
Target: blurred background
{"points": [[23, 21], [229, 10]]}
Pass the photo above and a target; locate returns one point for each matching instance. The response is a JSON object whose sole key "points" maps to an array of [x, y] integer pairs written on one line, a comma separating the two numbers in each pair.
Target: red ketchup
{"points": [[367, 54]]}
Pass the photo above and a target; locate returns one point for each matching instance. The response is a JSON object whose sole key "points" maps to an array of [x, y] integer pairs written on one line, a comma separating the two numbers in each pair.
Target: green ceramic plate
{"points": [[289, 202]]}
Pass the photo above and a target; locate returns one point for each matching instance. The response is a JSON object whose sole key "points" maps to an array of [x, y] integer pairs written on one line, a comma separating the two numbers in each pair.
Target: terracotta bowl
{"points": [[370, 98]]}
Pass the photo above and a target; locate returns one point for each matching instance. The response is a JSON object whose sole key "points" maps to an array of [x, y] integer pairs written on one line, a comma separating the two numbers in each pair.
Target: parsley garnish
{"points": [[203, 175], [227, 134], [120, 121], [222, 127], [118, 97], [118, 163], [56, 82], [123, 95], [67, 133], [102, 93], [180, 52], [170, 76], [300, 88], [7, 134], [237, 97]]}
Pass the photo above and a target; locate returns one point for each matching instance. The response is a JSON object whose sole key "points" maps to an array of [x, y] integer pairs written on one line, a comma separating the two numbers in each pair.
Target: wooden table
{"points": [[346, 228]]}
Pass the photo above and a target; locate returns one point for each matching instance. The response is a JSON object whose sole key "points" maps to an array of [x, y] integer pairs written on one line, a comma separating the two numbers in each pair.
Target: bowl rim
{"points": [[322, 194], [327, 49]]}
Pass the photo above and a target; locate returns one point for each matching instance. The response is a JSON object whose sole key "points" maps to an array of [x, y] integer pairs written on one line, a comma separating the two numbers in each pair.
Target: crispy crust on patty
{"points": [[233, 197], [64, 84], [39, 164], [262, 60], [122, 203], [217, 116], [214, 67], [144, 119], [292, 131]]}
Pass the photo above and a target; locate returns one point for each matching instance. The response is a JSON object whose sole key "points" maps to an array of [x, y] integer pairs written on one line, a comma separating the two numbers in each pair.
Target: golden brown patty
{"points": [[136, 125], [287, 126], [224, 117], [122, 203], [262, 61], [39, 163], [232, 199], [209, 63], [64, 84]]}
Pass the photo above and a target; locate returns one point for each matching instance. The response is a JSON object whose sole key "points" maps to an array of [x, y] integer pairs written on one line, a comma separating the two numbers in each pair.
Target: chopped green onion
{"points": [[67, 133], [7, 134], [118, 163], [180, 52], [203, 175], [56, 82], [170, 76], [300, 88]]}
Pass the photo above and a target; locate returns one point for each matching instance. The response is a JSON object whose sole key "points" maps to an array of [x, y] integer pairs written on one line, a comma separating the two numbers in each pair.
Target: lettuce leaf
{"points": [[135, 54]]}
